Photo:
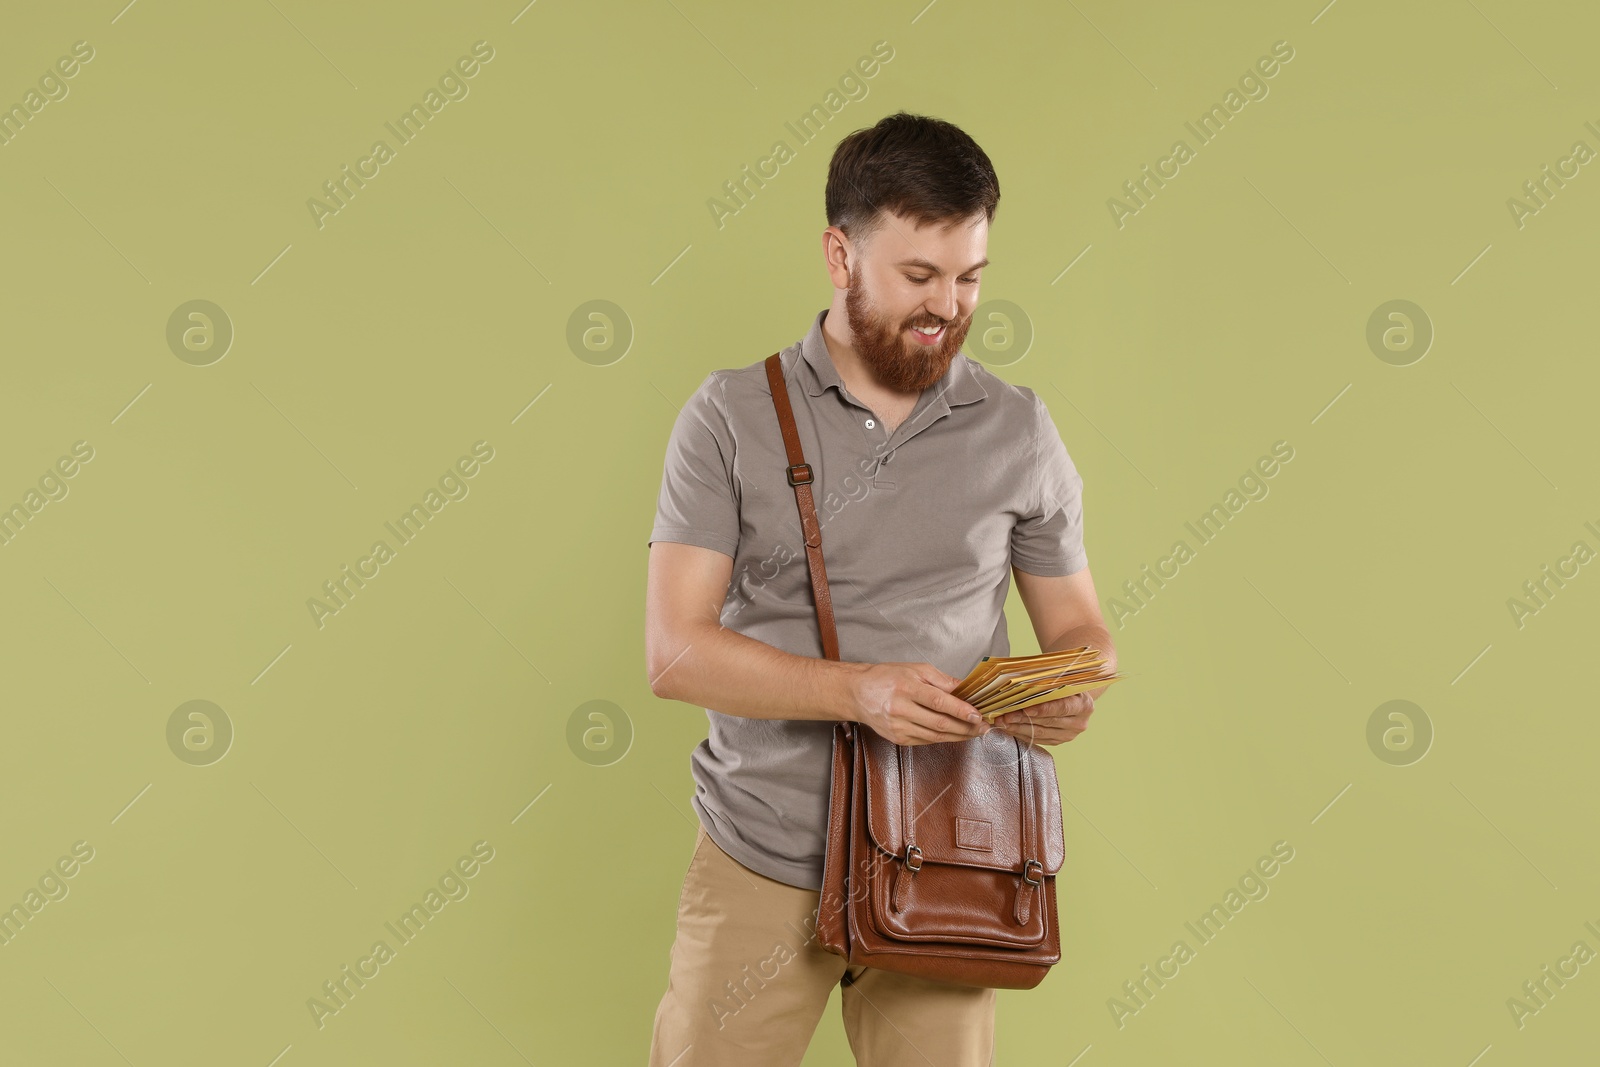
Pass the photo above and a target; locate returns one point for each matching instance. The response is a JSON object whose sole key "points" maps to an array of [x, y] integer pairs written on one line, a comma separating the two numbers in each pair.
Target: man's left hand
{"points": [[1053, 722]]}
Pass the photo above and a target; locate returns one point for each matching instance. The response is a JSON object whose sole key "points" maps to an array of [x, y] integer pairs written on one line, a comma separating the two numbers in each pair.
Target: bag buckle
{"points": [[798, 467], [1033, 863], [909, 850]]}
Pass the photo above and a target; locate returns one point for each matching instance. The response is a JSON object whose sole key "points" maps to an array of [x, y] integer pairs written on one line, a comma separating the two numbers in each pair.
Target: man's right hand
{"points": [[910, 704]]}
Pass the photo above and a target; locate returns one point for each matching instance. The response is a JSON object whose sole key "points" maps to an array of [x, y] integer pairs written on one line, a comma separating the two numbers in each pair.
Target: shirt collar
{"points": [[958, 385]]}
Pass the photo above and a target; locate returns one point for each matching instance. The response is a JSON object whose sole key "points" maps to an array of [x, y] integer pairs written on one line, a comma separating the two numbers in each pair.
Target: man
{"points": [[933, 479]]}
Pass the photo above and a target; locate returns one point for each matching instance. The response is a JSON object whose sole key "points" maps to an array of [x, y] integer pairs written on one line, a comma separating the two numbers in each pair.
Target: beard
{"points": [[896, 361]]}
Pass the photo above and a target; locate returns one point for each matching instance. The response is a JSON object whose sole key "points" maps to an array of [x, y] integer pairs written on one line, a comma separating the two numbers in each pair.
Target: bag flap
{"points": [[965, 801]]}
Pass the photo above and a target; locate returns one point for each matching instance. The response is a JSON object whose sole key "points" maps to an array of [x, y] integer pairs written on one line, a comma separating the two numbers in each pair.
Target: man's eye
{"points": [[970, 281], [919, 281]]}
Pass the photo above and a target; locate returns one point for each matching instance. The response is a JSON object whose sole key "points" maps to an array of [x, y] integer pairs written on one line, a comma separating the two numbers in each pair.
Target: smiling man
{"points": [[956, 479]]}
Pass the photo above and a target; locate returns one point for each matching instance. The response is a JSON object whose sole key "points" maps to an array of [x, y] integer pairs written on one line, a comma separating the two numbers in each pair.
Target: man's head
{"points": [[909, 205]]}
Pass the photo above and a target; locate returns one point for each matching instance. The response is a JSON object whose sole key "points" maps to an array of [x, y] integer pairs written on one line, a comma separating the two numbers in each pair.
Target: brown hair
{"points": [[913, 165]]}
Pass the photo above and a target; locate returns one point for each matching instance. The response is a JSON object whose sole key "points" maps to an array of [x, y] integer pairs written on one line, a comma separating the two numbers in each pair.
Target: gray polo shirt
{"points": [[920, 528]]}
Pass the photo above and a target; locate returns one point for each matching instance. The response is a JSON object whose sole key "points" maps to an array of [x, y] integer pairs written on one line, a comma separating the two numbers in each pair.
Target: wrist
{"points": [[838, 698]]}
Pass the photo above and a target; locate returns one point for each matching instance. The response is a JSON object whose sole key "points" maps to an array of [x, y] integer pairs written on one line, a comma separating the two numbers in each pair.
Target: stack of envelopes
{"points": [[1001, 684]]}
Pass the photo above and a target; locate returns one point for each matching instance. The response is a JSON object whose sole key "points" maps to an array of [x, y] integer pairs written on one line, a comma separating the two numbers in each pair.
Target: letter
{"points": [[1563, 571], [1218, 515], [1163, 971], [362, 971], [1267, 866], [467, 466], [52, 886], [433, 101], [817, 114], [1267, 466], [1283, 850], [468, 867], [1184, 552], [467, 66], [1544, 983], [853, 87], [33, 901], [1582, 152], [67, 866], [1250, 483], [454, 487], [720, 1013], [1163, 170], [1113, 205], [453, 87], [1267, 66], [363, 571], [382, 950], [83, 50], [867, 66], [83, 850], [361, 167], [1117, 610], [1254, 887], [1563, 170], [333, 594], [453, 887], [784, 952], [879, 50], [319, 1010], [319, 610], [1218, 114], [1132, 592], [1150, 576], [782, 150], [1233, 101], [1544, 186], [1120, 1012], [435, 503], [719, 210], [53, 487], [1283, 450], [483, 50], [1149, 976], [418, 116], [67, 466], [418, 516], [1563, 971], [834, 102], [35, 503], [1283, 50], [1144, 184], [433, 901], [348, 977], [1582, 950], [1182, 150], [418, 916], [53, 87], [1527, 987], [382, 550], [17, 116], [483, 850], [761, 969], [1518, 1010], [1133, 994], [1133, 193], [1528, 188], [343, 585], [1582, 551], [1548, 577], [33, 101], [382, 150], [1234, 901], [744, 182], [483, 450], [67, 66], [1218, 915], [318, 209], [1253, 87]]}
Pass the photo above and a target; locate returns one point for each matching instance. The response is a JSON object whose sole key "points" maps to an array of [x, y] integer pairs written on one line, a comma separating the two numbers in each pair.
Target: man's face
{"points": [[911, 275]]}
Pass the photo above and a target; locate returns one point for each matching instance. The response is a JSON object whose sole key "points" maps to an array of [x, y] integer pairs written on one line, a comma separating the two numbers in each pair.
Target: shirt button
{"points": [[870, 424]]}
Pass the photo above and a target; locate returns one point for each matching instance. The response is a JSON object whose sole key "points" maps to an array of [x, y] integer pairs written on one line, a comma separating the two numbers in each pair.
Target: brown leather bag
{"points": [[941, 859]]}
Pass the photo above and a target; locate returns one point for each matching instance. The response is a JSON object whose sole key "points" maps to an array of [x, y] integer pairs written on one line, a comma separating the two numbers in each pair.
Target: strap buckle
{"points": [[909, 850], [1033, 863], [796, 467]]}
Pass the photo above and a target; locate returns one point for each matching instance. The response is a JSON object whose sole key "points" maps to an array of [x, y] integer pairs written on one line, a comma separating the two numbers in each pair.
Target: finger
{"points": [[940, 726], [940, 701]]}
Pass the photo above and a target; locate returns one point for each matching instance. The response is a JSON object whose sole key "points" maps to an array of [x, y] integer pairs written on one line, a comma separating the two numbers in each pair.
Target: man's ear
{"points": [[839, 254]]}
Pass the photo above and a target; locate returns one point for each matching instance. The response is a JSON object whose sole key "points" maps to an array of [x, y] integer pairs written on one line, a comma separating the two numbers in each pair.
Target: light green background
{"points": [[371, 753]]}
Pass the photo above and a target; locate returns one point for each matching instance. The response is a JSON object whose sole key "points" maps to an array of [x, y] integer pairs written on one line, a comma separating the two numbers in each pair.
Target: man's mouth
{"points": [[926, 338]]}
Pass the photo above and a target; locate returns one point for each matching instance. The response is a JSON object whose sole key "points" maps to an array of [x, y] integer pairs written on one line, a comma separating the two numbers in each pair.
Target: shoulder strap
{"points": [[799, 472]]}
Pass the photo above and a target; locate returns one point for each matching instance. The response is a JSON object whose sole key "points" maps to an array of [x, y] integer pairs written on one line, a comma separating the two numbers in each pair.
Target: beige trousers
{"points": [[748, 982]]}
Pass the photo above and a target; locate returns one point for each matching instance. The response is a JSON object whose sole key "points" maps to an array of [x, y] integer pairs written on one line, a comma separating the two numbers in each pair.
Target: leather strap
{"points": [[800, 476]]}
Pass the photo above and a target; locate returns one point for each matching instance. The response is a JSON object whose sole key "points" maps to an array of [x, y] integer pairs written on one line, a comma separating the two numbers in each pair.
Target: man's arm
{"points": [[1065, 614], [692, 657]]}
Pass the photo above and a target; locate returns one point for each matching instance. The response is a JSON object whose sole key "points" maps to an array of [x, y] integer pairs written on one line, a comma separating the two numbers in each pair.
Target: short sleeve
{"points": [[1047, 539], [699, 499]]}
